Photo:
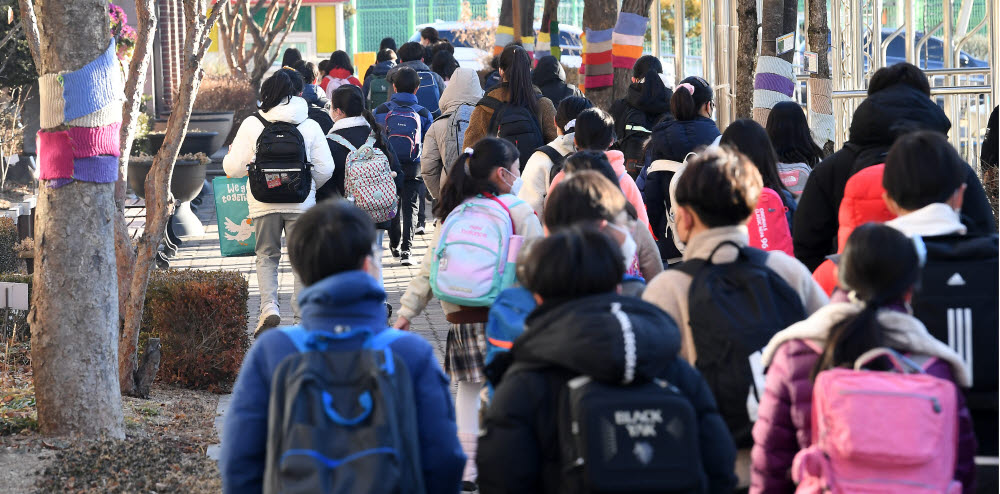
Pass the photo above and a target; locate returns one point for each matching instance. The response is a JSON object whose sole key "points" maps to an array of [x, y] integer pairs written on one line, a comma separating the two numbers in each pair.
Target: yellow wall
{"points": [[326, 29], [215, 39]]}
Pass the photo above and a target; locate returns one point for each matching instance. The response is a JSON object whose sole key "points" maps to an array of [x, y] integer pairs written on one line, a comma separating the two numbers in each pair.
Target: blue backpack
{"points": [[506, 322], [403, 132], [428, 94], [342, 420]]}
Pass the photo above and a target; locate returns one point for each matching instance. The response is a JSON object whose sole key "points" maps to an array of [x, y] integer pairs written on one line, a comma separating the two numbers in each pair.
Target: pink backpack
{"points": [[880, 432], [768, 225]]}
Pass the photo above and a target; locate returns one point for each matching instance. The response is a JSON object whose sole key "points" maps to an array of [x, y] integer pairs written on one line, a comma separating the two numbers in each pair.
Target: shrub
{"points": [[225, 93], [9, 262], [201, 320]]}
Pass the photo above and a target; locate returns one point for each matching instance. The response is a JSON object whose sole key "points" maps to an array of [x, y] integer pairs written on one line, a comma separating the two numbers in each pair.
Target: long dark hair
{"points": [[470, 175], [644, 64], [349, 99], [341, 60], [516, 67], [685, 105], [749, 138], [790, 136], [879, 265], [279, 89]]}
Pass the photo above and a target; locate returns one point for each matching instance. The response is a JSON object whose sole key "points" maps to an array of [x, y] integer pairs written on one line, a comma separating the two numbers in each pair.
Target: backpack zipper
{"points": [[935, 404]]}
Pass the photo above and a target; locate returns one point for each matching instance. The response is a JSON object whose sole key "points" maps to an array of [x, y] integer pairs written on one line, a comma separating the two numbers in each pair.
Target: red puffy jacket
{"points": [[862, 203]]}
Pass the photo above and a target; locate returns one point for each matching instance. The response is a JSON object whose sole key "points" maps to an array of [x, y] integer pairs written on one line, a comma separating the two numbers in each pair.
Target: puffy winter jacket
{"points": [[519, 445], [349, 299], [877, 122], [862, 203], [538, 170], [440, 152], [550, 77], [625, 182], [784, 423], [244, 148], [671, 140], [336, 78], [656, 106]]}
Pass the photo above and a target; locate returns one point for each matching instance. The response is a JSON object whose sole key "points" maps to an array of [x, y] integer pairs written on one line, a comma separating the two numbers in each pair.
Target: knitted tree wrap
{"points": [[597, 59], [824, 127], [107, 115], [95, 141], [52, 103], [627, 39], [96, 88]]}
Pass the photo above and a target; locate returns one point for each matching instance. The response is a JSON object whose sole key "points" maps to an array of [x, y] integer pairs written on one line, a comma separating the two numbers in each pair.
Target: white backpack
{"points": [[368, 179]]}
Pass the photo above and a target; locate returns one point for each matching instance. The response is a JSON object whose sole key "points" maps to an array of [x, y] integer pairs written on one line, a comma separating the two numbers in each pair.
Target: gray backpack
{"points": [[458, 121], [342, 421]]}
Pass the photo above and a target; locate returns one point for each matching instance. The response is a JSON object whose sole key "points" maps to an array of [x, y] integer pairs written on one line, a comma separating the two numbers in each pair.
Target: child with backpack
{"points": [[515, 110], [272, 442], [341, 72], [367, 171], [443, 144], [924, 180], [319, 106], [644, 105], [595, 131], [464, 268], [770, 225], [405, 123], [376, 86], [285, 158], [548, 160], [430, 86], [729, 299], [595, 398], [793, 143], [881, 268]]}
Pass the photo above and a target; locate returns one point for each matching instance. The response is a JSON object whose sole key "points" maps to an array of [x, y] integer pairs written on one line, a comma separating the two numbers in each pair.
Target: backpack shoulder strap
{"points": [[423, 112], [690, 267], [443, 116], [513, 227], [339, 139], [298, 335], [554, 156], [383, 339], [491, 103], [261, 118], [664, 166]]}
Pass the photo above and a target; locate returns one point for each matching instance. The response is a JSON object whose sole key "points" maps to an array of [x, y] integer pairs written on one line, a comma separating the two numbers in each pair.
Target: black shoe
{"points": [[161, 261], [404, 259], [394, 251], [469, 486], [388, 314], [419, 230]]}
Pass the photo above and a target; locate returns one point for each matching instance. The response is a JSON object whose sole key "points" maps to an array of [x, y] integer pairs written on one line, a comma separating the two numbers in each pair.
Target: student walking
{"points": [[548, 160], [488, 171], [550, 77], [342, 308], [515, 110], [646, 103], [443, 144], [792, 140], [431, 85], [281, 108], [881, 268], [341, 72], [586, 347], [319, 106], [376, 86], [405, 123]]}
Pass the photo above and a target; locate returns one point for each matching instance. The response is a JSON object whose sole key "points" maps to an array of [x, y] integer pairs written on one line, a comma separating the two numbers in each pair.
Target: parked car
{"points": [[471, 57], [931, 54]]}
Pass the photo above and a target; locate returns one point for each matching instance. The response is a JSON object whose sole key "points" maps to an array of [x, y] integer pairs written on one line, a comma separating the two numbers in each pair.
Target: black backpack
{"points": [[632, 135], [735, 308], [557, 159], [957, 301], [280, 172], [342, 421], [322, 117], [516, 124]]}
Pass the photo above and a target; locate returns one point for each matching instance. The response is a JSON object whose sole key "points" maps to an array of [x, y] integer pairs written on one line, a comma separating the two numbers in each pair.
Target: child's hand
{"points": [[402, 323]]}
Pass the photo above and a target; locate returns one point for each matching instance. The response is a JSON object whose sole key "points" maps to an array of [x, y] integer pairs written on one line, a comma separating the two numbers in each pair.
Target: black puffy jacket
{"points": [[519, 445], [656, 106], [550, 77], [877, 122]]}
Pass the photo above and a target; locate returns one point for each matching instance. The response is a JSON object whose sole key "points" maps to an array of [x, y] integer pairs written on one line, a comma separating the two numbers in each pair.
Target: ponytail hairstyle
{"points": [[644, 64], [879, 266], [350, 100], [470, 175], [686, 101], [569, 109], [749, 138], [516, 67], [790, 135], [341, 60], [279, 89]]}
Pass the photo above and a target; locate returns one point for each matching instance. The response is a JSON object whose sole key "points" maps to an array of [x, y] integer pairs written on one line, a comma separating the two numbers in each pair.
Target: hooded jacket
{"points": [[519, 444], [344, 76], [538, 169], [356, 130], [439, 154], [878, 120], [784, 423], [671, 140], [480, 122], [315, 95], [655, 106], [244, 148], [354, 299], [625, 182], [418, 66], [550, 77]]}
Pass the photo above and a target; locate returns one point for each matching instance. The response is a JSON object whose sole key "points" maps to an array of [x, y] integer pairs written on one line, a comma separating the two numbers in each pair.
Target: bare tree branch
{"points": [[30, 23]]}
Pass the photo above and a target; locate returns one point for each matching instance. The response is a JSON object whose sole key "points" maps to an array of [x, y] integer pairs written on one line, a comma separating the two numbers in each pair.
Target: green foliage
{"points": [[9, 262], [692, 12], [201, 320], [16, 65]]}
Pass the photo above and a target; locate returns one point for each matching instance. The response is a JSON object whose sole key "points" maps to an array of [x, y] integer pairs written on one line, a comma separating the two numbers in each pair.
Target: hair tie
{"points": [[570, 125], [685, 85], [469, 152], [853, 297]]}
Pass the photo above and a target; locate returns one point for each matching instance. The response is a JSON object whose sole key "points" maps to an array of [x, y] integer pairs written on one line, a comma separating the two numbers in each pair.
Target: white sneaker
{"points": [[269, 318]]}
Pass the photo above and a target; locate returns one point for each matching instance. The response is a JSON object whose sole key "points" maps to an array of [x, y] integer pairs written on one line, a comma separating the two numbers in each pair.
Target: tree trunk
{"points": [[74, 319], [599, 15], [550, 14], [772, 26], [30, 24], [124, 251], [159, 200], [746, 57], [623, 75], [820, 84]]}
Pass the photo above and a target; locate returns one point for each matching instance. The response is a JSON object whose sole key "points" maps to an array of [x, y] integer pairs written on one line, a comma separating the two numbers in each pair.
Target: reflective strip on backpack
{"points": [[638, 128], [629, 337]]}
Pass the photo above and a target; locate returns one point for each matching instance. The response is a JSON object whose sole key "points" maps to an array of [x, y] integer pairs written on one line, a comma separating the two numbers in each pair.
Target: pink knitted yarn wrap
{"points": [[94, 141]]}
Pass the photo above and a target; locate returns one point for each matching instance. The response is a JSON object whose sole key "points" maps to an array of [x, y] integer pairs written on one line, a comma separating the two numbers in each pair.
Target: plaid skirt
{"points": [[465, 350]]}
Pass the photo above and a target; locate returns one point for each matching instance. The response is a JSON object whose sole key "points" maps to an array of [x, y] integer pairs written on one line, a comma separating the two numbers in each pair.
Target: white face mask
{"points": [[629, 247], [516, 186]]}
